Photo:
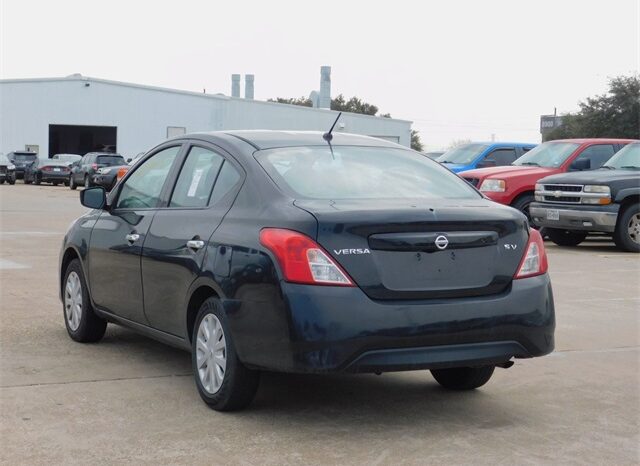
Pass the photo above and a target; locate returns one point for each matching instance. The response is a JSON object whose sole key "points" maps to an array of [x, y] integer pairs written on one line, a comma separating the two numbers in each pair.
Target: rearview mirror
{"points": [[93, 198]]}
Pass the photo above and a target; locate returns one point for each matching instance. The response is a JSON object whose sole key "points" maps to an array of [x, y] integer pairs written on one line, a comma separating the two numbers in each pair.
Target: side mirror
{"points": [[93, 198], [486, 163], [129, 159], [580, 164]]}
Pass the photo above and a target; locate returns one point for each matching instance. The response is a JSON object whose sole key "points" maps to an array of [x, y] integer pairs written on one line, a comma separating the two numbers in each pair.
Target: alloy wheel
{"points": [[633, 229], [73, 301], [211, 353]]}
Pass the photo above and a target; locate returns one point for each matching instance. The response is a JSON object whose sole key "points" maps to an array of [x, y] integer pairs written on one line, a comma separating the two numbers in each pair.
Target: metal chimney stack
{"points": [[248, 86], [324, 100], [235, 85]]}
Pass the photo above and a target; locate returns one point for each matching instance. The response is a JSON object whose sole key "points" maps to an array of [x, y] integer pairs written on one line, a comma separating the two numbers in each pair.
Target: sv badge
{"points": [[511, 247]]}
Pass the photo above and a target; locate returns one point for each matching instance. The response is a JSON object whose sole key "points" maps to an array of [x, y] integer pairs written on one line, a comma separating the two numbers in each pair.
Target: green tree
{"points": [[615, 114], [416, 143], [302, 101]]}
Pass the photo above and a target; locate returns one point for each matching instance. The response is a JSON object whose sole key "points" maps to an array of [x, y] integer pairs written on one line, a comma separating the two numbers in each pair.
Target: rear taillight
{"points": [[121, 172], [94, 166], [301, 259], [534, 262]]}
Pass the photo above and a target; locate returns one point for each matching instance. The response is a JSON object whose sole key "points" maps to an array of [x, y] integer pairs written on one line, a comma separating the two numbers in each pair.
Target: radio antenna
{"points": [[328, 136]]}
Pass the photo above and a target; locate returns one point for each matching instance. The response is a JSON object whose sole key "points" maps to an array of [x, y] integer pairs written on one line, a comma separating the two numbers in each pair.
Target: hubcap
{"points": [[73, 301], [211, 353], [634, 228]]}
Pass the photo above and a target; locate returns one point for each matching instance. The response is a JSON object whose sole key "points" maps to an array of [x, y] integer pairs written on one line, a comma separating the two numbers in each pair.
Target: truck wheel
{"points": [[223, 382], [522, 204], [627, 233], [565, 237], [82, 323], [463, 378], [72, 183]]}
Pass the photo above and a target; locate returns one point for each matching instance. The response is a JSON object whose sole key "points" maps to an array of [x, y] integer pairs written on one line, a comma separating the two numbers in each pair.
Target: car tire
{"points": [[55, 183], [1, 181], [87, 182], [26, 179], [37, 179], [627, 232], [565, 237], [72, 183], [522, 204], [12, 180], [463, 378], [83, 325], [227, 388]]}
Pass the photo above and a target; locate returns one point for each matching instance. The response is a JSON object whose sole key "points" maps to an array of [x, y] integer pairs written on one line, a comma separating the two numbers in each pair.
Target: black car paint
{"points": [[622, 182], [277, 325], [21, 160], [34, 172]]}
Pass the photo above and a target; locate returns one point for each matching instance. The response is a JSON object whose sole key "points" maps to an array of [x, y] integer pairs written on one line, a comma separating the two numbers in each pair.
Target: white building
{"points": [[78, 114]]}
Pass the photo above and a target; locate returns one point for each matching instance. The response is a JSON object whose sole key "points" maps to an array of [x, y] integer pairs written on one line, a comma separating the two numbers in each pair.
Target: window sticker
{"points": [[195, 181]]}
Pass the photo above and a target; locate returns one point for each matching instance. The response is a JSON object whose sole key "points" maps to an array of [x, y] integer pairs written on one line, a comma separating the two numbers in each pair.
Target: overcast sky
{"points": [[458, 69]]}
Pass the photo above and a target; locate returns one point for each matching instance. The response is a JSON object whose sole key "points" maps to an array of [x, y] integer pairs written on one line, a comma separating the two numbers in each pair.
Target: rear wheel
{"points": [[37, 179], [72, 183], [463, 378], [627, 233], [82, 323], [26, 179], [565, 237], [223, 383]]}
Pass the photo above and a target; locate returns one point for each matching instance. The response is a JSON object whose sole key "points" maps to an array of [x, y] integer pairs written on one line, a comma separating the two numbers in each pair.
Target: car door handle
{"points": [[132, 237], [195, 244]]}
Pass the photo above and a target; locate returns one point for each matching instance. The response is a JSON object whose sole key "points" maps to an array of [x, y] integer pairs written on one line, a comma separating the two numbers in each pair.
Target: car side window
{"points": [[196, 179], [502, 156], [142, 188], [597, 155], [227, 179]]}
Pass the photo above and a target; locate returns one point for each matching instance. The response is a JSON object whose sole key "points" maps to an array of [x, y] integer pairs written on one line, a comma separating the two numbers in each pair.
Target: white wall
{"points": [[142, 114]]}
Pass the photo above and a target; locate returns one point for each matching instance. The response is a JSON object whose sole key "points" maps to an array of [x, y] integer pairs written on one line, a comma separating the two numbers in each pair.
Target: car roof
{"points": [[601, 140], [269, 139], [103, 153]]}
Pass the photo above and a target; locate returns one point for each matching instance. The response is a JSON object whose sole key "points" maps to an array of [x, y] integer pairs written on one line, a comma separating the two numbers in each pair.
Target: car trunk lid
{"points": [[419, 249]]}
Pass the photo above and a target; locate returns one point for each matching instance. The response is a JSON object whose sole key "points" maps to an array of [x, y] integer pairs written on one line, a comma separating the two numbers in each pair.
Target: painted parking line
{"points": [[6, 264]]}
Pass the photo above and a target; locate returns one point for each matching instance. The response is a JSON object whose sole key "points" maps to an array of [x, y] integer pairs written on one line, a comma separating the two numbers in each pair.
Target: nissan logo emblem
{"points": [[442, 242]]}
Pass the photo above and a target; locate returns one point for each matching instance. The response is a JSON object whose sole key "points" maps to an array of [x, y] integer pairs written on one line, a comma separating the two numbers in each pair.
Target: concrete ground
{"points": [[129, 399]]}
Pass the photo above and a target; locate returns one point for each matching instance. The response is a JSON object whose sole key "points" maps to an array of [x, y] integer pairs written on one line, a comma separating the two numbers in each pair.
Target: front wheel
{"points": [[565, 237], [87, 182], [72, 183], [37, 179], [522, 204], [627, 233], [223, 382], [82, 323], [463, 378]]}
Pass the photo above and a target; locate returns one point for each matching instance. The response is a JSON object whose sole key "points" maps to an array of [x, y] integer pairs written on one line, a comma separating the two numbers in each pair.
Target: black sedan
{"points": [[48, 171], [296, 252]]}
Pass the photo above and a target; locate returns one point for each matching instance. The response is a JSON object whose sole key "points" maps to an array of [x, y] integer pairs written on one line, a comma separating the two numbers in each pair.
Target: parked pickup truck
{"points": [[606, 200], [514, 185], [483, 154]]}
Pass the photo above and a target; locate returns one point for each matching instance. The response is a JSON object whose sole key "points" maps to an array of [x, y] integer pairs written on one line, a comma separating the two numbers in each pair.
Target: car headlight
{"points": [[596, 188], [103, 171], [493, 186], [11, 167]]}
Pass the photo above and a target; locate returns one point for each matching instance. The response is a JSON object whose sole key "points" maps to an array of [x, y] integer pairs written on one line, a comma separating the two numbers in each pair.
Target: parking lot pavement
{"points": [[129, 399]]}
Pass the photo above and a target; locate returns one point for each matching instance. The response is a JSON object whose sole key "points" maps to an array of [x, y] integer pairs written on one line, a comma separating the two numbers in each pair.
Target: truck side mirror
{"points": [[580, 164]]}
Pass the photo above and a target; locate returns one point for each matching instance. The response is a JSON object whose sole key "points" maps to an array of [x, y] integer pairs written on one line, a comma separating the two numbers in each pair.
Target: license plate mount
{"points": [[553, 214]]}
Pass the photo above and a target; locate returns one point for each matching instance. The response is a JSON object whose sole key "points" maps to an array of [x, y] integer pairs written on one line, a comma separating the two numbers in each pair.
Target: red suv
{"points": [[514, 184]]}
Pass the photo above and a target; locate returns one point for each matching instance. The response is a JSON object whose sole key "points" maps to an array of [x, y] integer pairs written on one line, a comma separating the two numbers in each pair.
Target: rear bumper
{"points": [[328, 329], [580, 218], [106, 181], [48, 177]]}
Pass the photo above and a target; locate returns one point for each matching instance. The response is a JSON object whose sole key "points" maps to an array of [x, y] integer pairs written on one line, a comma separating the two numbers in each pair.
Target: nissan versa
{"points": [[310, 253]]}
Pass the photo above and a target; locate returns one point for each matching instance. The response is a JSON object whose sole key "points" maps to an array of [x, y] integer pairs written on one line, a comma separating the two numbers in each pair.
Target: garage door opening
{"points": [[77, 139]]}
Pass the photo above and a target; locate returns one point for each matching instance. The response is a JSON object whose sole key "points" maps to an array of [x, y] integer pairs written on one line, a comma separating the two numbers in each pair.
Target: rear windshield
{"points": [[111, 160], [24, 157], [351, 172], [549, 154], [463, 154]]}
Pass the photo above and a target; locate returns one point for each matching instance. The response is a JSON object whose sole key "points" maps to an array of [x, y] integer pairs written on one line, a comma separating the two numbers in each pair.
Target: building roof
{"points": [[88, 79]]}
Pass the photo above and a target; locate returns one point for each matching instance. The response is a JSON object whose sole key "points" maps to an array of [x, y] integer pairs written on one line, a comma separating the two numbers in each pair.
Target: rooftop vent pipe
{"points": [[235, 85]]}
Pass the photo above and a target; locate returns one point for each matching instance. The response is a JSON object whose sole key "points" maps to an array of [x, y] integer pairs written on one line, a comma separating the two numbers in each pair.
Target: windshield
{"points": [[24, 157], [361, 173], [548, 154], [462, 154], [627, 157], [110, 160]]}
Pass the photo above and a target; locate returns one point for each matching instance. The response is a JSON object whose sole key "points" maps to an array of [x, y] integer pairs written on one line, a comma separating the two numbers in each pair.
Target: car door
{"points": [[593, 157], [176, 244], [120, 232]]}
